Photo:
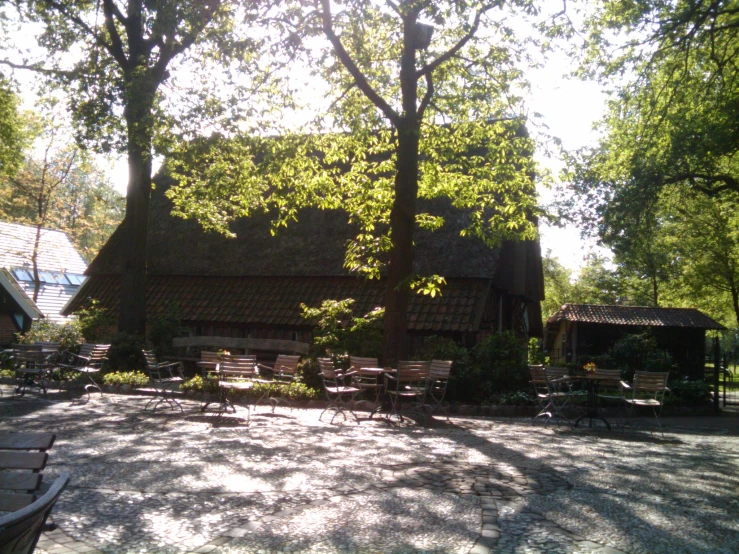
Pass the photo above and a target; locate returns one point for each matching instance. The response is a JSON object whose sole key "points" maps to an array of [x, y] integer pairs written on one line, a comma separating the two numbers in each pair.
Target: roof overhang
{"points": [[27, 305]]}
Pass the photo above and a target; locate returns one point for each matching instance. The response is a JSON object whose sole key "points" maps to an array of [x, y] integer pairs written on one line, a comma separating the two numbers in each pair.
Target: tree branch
{"points": [[116, 44], [349, 64], [39, 69], [427, 96], [428, 68]]}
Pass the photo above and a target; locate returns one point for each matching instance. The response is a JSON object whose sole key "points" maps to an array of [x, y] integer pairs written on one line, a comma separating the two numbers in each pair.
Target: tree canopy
{"points": [[421, 103], [123, 64]]}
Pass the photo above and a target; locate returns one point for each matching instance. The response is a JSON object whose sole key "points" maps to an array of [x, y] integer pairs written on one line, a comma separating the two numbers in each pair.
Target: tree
{"points": [[12, 138], [418, 110], [558, 287], [674, 120], [113, 58]]}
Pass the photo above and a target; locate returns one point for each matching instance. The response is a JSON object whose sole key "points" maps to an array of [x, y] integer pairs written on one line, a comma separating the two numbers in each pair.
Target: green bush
{"points": [[691, 394], [337, 331], [163, 329], [126, 352], [639, 352], [298, 391], [96, 324], [517, 398], [67, 334], [196, 384], [502, 359], [7, 373], [118, 378], [309, 373]]}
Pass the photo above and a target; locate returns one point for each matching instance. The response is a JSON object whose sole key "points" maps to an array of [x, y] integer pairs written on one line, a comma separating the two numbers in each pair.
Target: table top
{"points": [[376, 370]]}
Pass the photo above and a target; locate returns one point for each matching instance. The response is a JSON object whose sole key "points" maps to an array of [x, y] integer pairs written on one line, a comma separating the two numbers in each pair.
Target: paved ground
{"points": [[179, 483]]}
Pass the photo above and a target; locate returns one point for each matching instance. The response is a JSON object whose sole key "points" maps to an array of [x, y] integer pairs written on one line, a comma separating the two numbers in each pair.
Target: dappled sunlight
{"points": [[175, 482]]}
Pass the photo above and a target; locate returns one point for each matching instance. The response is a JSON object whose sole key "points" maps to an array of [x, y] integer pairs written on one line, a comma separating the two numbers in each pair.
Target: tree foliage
{"points": [[121, 63], [57, 187], [408, 118]]}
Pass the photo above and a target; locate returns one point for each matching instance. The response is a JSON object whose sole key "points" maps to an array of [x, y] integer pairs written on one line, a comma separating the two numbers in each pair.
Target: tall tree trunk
{"points": [[735, 301], [655, 291], [132, 313], [403, 214], [400, 267]]}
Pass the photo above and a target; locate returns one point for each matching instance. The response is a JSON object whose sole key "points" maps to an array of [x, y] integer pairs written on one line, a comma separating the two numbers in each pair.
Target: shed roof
{"points": [[276, 301], [635, 315], [56, 250]]}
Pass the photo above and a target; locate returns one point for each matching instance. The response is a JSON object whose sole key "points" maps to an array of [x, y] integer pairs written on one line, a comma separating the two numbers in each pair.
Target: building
{"points": [[60, 269], [252, 286], [581, 330]]}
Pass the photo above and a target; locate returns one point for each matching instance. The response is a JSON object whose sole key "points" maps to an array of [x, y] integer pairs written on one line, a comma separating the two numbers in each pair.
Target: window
{"points": [[22, 274], [74, 279]]}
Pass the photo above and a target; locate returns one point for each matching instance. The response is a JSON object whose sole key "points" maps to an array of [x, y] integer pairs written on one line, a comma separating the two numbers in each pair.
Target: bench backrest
{"points": [[20, 530], [237, 367], [357, 362], [439, 370], [287, 365]]}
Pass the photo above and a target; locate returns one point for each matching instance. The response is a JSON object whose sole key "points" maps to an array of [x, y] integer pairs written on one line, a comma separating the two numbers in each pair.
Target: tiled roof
{"points": [[56, 251], [635, 315], [276, 300]]}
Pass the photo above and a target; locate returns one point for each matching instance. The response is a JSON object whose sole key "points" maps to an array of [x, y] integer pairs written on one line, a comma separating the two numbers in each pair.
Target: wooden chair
{"points": [[609, 385], [209, 372], [20, 530], [31, 367], [284, 373], [235, 373], [165, 377], [552, 390], [647, 390], [340, 396], [88, 362], [370, 385], [436, 385], [407, 387]]}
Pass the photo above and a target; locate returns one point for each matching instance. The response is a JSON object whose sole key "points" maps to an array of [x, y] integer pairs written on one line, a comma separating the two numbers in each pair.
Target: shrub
{"points": [[118, 378], [518, 398], [96, 323], [502, 359], [126, 352], [67, 334], [163, 329], [196, 384], [7, 373], [639, 352], [309, 373], [337, 331], [688, 393]]}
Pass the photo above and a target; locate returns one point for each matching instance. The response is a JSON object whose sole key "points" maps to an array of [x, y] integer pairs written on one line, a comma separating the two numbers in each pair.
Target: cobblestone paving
{"points": [[286, 482]]}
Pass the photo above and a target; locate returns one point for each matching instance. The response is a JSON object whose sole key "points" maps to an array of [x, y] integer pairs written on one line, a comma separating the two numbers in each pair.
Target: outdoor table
{"points": [[31, 370], [592, 383], [380, 373]]}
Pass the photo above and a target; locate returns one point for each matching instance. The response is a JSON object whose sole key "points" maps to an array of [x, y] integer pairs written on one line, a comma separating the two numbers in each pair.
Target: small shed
{"points": [[590, 330]]}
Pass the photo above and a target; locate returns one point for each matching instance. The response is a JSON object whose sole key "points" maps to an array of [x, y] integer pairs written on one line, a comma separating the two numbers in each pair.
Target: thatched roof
{"points": [[313, 246]]}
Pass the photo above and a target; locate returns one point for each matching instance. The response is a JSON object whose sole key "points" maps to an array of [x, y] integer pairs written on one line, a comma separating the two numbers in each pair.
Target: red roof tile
{"points": [[635, 315], [276, 300]]}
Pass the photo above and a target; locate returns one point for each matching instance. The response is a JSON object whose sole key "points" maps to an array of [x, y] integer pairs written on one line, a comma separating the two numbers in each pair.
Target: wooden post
{"points": [[716, 371]]}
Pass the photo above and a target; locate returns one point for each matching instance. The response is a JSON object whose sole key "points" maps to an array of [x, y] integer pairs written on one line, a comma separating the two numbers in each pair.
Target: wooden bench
{"points": [[20, 468]]}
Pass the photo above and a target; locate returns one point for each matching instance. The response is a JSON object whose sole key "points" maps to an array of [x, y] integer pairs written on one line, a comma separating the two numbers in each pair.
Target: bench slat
{"points": [[26, 441], [23, 460], [19, 480], [10, 502]]}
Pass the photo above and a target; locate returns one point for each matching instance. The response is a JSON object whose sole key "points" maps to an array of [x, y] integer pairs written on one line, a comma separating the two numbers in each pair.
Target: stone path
{"points": [[185, 483]]}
